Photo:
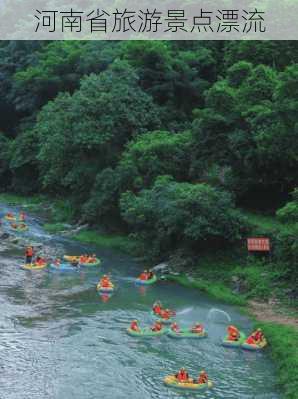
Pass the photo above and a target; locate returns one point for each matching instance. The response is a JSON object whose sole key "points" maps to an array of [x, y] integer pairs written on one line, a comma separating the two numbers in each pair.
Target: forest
{"points": [[173, 142]]}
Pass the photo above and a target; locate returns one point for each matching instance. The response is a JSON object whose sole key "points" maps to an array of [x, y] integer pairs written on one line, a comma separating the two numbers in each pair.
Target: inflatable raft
{"points": [[10, 218], [33, 266], [146, 333], [171, 381], [95, 263], [20, 228], [63, 267], [164, 321], [106, 290], [234, 344], [146, 282], [71, 259], [254, 347], [186, 333]]}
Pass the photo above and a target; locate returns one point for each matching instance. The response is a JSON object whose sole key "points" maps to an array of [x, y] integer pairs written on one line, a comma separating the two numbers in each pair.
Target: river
{"points": [[61, 340]]}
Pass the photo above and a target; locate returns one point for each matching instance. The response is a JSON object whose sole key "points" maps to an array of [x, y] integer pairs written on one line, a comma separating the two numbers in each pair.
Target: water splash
{"points": [[218, 311], [185, 311]]}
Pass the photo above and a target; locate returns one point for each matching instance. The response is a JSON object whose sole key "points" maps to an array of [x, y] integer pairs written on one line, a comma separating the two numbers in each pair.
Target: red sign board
{"points": [[258, 244]]}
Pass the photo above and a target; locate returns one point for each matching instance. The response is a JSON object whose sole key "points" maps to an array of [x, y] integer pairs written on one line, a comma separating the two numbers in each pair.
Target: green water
{"points": [[61, 340]]}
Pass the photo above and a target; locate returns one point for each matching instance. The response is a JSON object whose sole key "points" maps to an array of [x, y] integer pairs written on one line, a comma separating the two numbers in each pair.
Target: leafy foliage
{"points": [[171, 214]]}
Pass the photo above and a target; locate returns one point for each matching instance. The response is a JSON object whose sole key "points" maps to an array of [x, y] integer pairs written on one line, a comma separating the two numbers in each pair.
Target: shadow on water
{"points": [[61, 339]]}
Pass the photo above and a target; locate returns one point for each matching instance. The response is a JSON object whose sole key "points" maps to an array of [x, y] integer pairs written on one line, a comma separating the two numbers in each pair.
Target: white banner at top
{"points": [[148, 20]]}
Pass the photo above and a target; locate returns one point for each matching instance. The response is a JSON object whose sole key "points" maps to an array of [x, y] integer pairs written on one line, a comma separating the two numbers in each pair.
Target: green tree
{"points": [[82, 134], [172, 215]]}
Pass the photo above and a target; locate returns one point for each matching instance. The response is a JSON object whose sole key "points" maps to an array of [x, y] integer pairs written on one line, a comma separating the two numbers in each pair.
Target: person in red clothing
{"points": [[175, 328], [57, 262], [165, 314], [144, 275], [105, 281], [259, 336], [40, 261], [157, 326], [233, 333], [182, 375], [22, 216], [134, 326], [197, 328], [157, 307], [203, 377], [256, 337], [29, 255]]}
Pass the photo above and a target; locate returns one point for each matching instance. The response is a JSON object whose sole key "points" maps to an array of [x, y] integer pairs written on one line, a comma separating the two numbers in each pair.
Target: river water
{"points": [[61, 340]]}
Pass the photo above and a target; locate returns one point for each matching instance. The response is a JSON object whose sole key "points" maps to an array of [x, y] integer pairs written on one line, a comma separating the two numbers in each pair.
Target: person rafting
{"points": [[165, 314], [57, 262], [13, 226], [10, 215], [203, 377], [175, 328], [105, 282], [255, 337], [233, 333], [22, 216], [40, 261], [134, 326], [157, 307], [157, 326], [182, 375], [144, 276], [198, 328], [29, 255], [93, 258], [150, 274]]}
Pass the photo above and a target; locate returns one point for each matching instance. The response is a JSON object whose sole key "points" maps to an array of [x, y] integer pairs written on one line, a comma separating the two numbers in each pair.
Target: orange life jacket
{"points": [[29, 252], [143, 276], [105, 282], [134, 326], [157, 309], [203, 378], [182, 376]]}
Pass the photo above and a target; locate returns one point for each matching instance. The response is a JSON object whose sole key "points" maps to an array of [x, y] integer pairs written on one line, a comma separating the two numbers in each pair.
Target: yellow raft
{"points": [[34, 266], [10, 218], [171, 381], [20, 228]]}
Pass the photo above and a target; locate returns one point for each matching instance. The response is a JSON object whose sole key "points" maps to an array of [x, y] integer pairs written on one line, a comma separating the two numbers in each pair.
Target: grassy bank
{"points": [[216, 290], [283, 344]]}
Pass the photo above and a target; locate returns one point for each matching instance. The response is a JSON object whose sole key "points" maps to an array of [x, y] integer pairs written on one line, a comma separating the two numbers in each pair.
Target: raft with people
{"points": [[12, 218], [105, 285], [19, 227], [146, 278], [182, 381], [195, 332], [83, 260], [171, 381], [234, 337], [156, 330], [146, 333], [160, 313], [34, 266], [255, 342]]}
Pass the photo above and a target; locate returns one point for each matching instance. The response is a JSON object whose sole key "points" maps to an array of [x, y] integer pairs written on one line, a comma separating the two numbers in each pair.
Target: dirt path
{"points": [[271, 313]]}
